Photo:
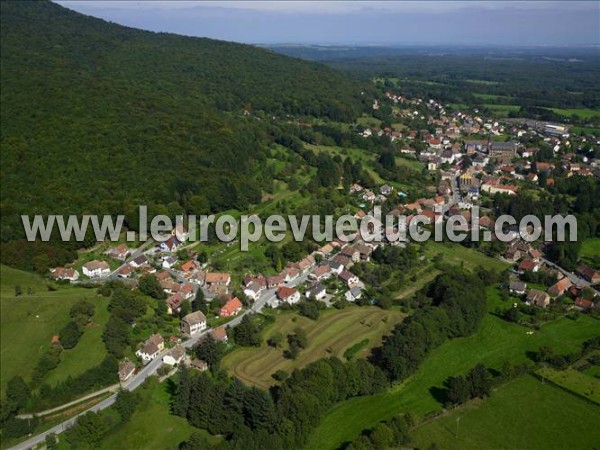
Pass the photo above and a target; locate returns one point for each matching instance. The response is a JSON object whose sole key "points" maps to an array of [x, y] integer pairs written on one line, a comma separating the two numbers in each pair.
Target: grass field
{"points": [[497, 341], [456, 254], [29, 321], [572, 380], [152, 426], [590, 247], [584, 113], [331, 335], [524, 414]]}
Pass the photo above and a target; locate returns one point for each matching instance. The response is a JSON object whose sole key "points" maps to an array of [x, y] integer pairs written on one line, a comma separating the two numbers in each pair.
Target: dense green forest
{"points": [[533, 77], [98, 118]]}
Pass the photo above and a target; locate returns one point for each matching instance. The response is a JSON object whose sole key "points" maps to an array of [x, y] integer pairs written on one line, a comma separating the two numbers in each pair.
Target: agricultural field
{"points": [[572, 380], [331, 335], [522, 414], [29, 321], [496, 342]]}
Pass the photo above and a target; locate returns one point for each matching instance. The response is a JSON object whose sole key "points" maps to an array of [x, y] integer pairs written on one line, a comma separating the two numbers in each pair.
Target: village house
{"points": [[316, 291], [529, 265], [213, 279], [583, 304], [253, 290], [174, 304], [353, 294], [193, 323], [120, 252], [321, 272], [95, 269], [189, 266], [148, 352], [169, 262], [219, 334], [336, 267], [139, 261], [539, 298], [126, 370], [275, 281], [231, 308], [63, 273], [517, 287], [349, 278], [290, 274], [174, 356], [125, 271], [170, 245], [559, 288], [587, 273], [288, 295], [351, 252], [199, 365]]}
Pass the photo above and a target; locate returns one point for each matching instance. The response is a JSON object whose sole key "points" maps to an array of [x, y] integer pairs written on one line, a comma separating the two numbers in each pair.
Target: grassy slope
{"points": [[521, 414], [497, 341], [458, 255], [152, 426], [29, 322], [331, 335]]}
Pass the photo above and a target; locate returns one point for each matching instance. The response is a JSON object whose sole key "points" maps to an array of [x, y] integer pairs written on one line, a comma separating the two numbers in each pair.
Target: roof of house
{"points": [[93, 265], [232, 306], [194, 318], [189, 265], [315, 289], [216, 277], [321, 270], [156, 339], [150, 348], [584, 303], [517, 286], [177, 352], [285, 292], [528, 264], [560, 286], [219, 334], [346, 275]]}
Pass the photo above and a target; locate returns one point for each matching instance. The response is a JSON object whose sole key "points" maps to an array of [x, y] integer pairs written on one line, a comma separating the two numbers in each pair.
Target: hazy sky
{"points": [[362, 22]]}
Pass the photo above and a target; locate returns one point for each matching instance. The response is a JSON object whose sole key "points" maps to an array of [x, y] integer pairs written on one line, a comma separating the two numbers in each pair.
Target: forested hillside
{"points": [[97, 118]]}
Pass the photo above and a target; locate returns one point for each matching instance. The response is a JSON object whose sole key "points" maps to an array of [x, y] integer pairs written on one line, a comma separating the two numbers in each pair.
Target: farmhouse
{"points": [[216, 278], [193, 323], [253, 290], [322, 272]]}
